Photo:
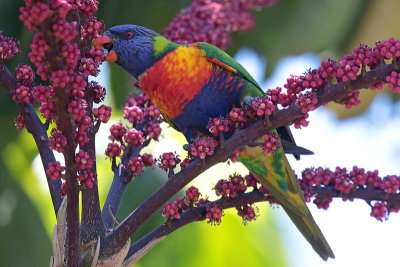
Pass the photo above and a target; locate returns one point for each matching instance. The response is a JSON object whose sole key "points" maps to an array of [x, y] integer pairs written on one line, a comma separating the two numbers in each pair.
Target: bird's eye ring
{"points": [[128, 35]]}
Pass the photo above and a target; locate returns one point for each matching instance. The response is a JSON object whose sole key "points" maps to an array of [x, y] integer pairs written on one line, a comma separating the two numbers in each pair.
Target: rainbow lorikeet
{"points": [[191, 84]]}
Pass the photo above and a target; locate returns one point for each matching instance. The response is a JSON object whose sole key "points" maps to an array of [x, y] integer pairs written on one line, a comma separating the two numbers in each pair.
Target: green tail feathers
{"points": [[275, 173]]}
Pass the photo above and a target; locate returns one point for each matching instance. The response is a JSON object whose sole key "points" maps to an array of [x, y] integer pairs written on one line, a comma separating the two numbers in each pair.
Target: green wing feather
{"points": [[275, 173], [222, 59]]}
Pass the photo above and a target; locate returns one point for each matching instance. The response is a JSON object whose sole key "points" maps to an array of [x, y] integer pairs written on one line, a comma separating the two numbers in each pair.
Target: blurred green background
{"points": [[328, 27]]}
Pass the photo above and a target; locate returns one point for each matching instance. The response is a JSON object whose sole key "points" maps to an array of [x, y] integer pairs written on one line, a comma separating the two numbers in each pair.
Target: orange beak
{"points": [[100, 42]]}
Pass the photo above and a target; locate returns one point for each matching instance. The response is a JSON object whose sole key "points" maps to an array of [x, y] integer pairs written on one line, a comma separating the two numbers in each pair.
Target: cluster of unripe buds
{"points": [[231, 188], [212, 21], [191, 199], [68, 75], [143, 124], [348, 182]]}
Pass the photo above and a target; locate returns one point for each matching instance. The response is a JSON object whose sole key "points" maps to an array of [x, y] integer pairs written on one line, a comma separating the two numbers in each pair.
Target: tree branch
{"points": [[199, 213], [35, 127], [361, 193], [116, 239], [115, 194], [65, 125], [119, 184]]}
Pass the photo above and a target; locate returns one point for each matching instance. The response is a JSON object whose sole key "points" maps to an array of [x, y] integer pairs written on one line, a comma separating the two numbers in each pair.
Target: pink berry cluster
{"points": [[272, 143], [192, 199], [57, 140], [143, 125], [263, 107], [234, 186], [247, 212], [54, 170], [231, 188], [203, 147], [214, 214], [135, 166], [218, 126], [212, 21], [303, 89], [347, 182], [9, 47], [70, 72], [167, 162], [62, 37]]}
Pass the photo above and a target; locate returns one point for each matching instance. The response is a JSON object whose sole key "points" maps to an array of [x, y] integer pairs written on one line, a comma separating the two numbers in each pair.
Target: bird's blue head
{"points": [[130, 46]]}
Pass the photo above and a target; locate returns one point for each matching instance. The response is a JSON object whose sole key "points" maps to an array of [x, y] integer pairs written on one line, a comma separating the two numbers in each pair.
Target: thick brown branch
{"points": [[116, 239], [92, 224], [66, 127], [39, 133]]}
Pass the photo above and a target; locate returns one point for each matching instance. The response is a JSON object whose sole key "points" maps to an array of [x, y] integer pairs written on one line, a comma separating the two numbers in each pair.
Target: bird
{"points": [[191, 83]]}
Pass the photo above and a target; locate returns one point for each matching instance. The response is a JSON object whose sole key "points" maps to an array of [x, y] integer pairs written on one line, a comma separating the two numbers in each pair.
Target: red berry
{"points": [[91, 28], [57, 140], [96, 91], [192, 194], [133, 114], [134, 137], [43, 93], [225, 188], [238, 183], [117, 132], [170, 211], [87, 178], [34, 15], [96, 53], [102, 113], [214, 214], [328, 69], [89, 67], [301, 121], [168, 161], [152, 112], [65, 31], [394, 81], [247, 213], [48, 109], [135, 166], [350, 100], [54, 170], [251, 181], [306, 101], [19, 122], [218, 126], [152, 130], [272, 143], [113, 150], [379, 210], [185, 163], [84, 160], [294, 84], [23, 94], [263, 106], [147, 160], [24, 74], [348, 69], [203, 147]]}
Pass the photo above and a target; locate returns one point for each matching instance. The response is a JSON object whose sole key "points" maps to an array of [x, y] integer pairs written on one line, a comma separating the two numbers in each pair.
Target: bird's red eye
{"points": [[128, 35]]}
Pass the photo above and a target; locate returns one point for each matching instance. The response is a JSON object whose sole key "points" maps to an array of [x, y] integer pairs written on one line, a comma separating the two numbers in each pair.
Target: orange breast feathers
{"points": [[175, 79]]}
